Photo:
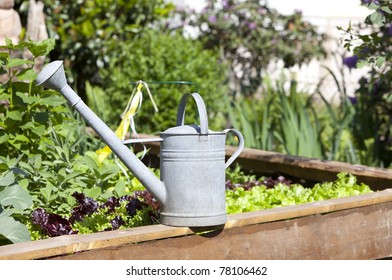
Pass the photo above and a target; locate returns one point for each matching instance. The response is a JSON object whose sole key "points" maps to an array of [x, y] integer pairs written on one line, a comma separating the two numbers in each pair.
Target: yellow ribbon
{"points": [[131, 109]]}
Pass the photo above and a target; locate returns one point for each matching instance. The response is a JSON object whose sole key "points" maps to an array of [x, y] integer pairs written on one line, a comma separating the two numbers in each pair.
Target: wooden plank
{"points": [[69, 244], [310, 169], [307, 209], [78, 243], [361, 233]]}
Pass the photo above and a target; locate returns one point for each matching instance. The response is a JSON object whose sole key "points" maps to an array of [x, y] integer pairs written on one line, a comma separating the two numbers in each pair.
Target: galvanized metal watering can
{"points": [[191, 191]]}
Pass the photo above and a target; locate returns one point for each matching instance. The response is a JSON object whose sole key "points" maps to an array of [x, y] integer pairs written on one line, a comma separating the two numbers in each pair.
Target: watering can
{"points": [[191, 191]]}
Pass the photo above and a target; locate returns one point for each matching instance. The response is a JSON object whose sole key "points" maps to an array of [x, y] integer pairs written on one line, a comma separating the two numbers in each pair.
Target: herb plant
{"points": [[14, 201], [43, 158], [24, 122]]}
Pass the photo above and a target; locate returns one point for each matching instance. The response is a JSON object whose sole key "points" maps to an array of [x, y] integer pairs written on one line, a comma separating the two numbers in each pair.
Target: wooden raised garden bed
{"points": [[357, 227]]}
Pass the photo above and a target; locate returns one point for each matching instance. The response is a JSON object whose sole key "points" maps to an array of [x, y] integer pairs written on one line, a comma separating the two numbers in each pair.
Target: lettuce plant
{"points": [[90, 216], [242, 199], [249, 194]]}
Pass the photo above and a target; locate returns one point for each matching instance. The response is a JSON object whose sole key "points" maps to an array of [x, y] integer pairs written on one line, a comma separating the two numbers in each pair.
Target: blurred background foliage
{"points": [[224, 50], [249, 35]]}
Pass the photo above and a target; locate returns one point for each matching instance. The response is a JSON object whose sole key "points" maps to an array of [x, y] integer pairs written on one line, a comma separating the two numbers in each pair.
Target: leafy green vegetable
{"points": [[139, 209], [89, 216], [260, 197]]}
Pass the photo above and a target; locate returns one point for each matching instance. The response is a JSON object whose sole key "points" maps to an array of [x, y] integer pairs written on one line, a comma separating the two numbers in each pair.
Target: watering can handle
{"points": [[201, 107], [240, 145]]}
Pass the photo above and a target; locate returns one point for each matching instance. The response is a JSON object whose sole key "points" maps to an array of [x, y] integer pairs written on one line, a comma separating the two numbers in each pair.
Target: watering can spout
{"points": [[53, 77]]}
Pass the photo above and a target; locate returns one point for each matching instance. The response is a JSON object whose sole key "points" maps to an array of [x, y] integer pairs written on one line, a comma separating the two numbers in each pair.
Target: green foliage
{"points": [[257, 198], [238, 176], [14, 200], [372, 121], [43, 156], [336, 135], [250, 35], [33, 127], [159, 58], [298, 130], [27, 112], [356, 131], [252, 117], [106, 45], [24, 121], [101, 220], [88, 31]]}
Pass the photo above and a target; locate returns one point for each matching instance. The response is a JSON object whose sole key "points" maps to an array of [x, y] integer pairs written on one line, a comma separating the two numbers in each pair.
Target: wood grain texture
{"points": [[75, 245]]}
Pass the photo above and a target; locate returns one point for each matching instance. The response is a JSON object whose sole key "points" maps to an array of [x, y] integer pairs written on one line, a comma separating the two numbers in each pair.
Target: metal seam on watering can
{"points": [[184, 215]]}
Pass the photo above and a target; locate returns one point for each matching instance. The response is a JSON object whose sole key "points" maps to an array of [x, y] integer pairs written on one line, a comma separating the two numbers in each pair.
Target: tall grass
{"points": [[337, 131], [251, 117], [282, 120], [298, 128]]}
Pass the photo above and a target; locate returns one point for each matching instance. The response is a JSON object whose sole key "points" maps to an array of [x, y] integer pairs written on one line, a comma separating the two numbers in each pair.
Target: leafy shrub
{"points": [[14, 201], [26, 112], [250, 35], [26, 117], [87, 32], [372, 121]]}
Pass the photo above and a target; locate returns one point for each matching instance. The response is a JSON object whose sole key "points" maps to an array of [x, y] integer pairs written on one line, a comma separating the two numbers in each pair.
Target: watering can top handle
{"points": [[200, 107]]}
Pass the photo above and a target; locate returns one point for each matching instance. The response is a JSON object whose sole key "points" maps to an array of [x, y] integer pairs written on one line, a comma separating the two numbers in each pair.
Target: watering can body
{"points": [[192, 163], [194, 168], [191, 190]]}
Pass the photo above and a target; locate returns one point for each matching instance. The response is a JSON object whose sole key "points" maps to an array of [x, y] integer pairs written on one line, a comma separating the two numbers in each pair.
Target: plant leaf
{"points": [[39, 48], [7, 180], [13, 62], [13, 230], [16, 196], [27, 74], [380, 60]]}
